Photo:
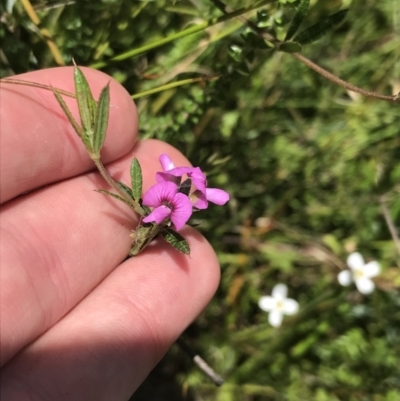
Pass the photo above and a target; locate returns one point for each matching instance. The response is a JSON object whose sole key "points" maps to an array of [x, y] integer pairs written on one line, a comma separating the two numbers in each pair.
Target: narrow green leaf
{"points": [[101, 122], [290, 47], [320, 29], [67, 112], [126, 189], [86, 103], [116, 196], [136, 179], [176, 240], [301, 13]]}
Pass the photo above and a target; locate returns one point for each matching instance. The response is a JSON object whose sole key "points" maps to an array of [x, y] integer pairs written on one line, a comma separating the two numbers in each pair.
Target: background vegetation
{"points": [[312, 170]]}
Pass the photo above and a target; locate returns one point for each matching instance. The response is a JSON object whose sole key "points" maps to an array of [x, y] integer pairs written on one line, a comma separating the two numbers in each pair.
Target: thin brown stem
{"points": [[389, 222], [35, 85], [326, 74]]}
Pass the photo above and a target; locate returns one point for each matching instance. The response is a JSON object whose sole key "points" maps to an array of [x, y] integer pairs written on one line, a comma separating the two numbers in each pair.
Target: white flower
{"points": [[277, 305], [360, 273]]}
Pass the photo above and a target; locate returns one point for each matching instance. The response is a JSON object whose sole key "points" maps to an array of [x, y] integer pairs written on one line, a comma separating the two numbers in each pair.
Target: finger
{"points": [[38, 145], [60, 242], [106, 346]]}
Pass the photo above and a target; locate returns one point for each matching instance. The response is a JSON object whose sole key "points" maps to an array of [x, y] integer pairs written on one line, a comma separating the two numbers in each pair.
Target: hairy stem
{"points": [[102, 170]]}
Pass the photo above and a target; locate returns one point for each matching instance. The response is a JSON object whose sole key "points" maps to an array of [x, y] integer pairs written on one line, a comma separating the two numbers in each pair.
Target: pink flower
{"points": [[168, 203], [202, 195]]}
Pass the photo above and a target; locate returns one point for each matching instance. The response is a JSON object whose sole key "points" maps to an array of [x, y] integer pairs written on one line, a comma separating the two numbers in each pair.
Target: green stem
{"points": [[102, 170], [171, 86], [182, 34]]}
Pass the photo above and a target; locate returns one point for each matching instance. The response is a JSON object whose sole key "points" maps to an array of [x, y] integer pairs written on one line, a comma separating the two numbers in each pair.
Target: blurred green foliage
{"points": [[308, 165]]}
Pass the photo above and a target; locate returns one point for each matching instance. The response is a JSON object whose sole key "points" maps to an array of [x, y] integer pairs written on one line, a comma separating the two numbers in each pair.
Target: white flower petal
{"points": [[365, 285], [267, 303], [355, 261], [279, 291], [345, 278], [372, 269], [275, 318], [290, 306]]}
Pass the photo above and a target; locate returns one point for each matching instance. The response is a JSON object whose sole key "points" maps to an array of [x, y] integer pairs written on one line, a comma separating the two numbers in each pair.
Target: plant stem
{"points": [[389, 222], [102, 170], [172, 85], [35, 85], [326, 74]]}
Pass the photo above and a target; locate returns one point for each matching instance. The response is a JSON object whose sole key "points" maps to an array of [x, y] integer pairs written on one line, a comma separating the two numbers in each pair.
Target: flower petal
{"points": [[275, 318], [355, 261], [166, 162], [181, 210], [345, 278], [372, 269], [267, 303], [365, 285], [158, 215], [279, 291], [199, 200], [290, 306], [159, 193], [199, 179], [165, 177], [217, 196]]}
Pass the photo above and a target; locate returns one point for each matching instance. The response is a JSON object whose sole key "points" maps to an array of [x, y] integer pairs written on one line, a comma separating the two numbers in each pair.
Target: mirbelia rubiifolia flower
{"points": [[167, 206]]}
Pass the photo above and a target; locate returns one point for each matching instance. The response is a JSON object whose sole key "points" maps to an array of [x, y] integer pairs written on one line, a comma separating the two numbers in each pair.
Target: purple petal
{"points": [[159, 214], [199, 200], [180, 171], [181, 210], [165, 177], [159, 193], [199, 179], [166, 162], [217, 196]]}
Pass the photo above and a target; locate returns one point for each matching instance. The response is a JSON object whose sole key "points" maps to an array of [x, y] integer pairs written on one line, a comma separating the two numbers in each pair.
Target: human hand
{"points": [[77, 321]]}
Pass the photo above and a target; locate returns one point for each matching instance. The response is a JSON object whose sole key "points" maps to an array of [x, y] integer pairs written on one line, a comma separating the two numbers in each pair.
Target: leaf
{"points": [[322, 28], [301, 13], [136, 179], [101, 122], [126, 189], [86, 103], [290, 47], [116, 196], [69, 115], [176, 240]]}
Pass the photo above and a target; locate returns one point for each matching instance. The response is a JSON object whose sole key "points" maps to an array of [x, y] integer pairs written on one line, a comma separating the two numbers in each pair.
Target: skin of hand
{"points": [[78, 321]]}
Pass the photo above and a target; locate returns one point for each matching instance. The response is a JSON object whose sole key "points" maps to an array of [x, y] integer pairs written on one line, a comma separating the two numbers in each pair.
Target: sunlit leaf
{"points": [[301, 13], [176, 240], [322, 28], [101, 122], [136, 179]]}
